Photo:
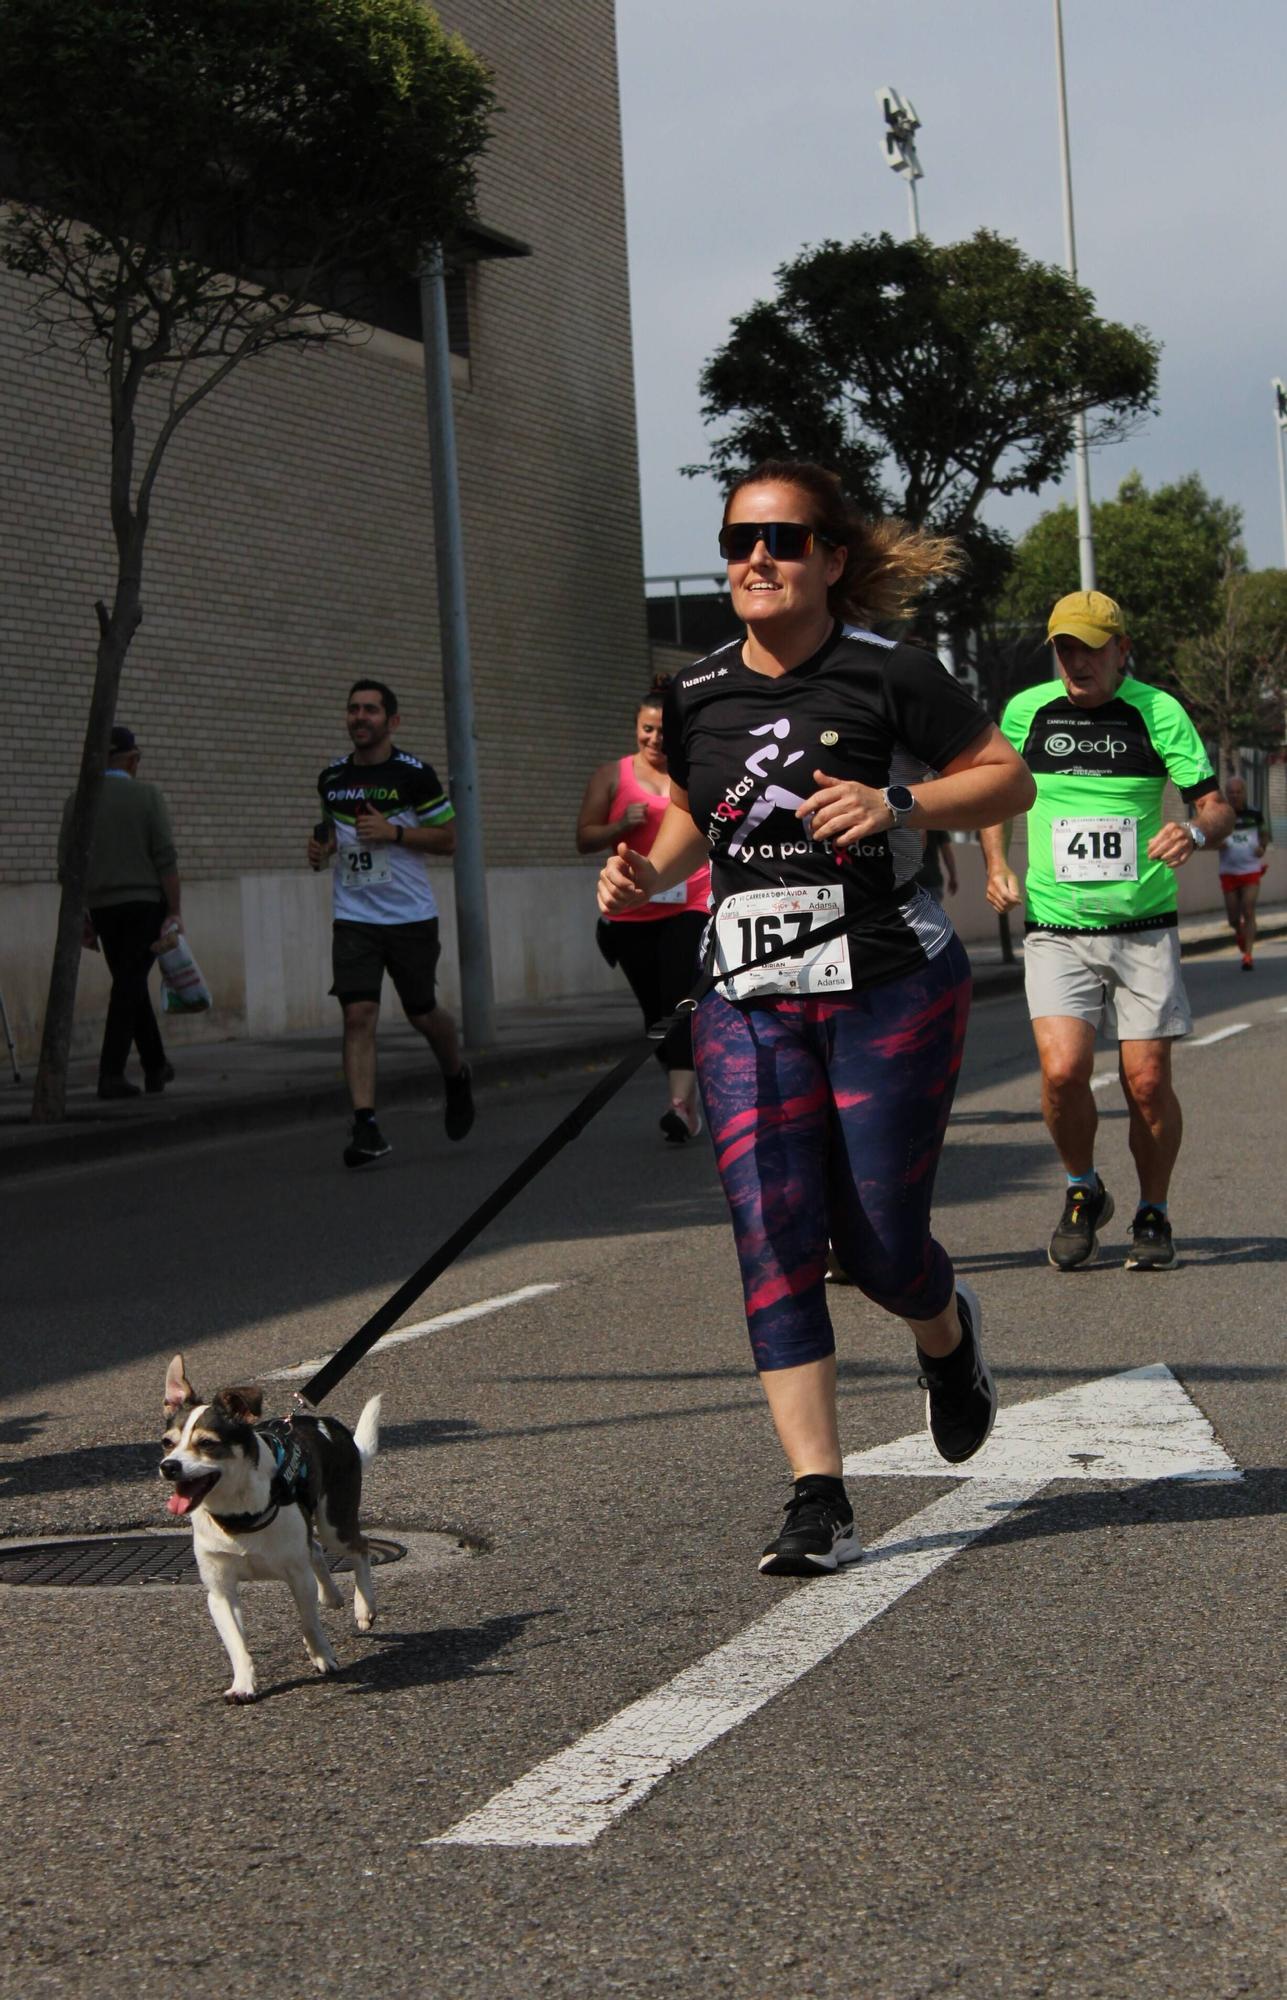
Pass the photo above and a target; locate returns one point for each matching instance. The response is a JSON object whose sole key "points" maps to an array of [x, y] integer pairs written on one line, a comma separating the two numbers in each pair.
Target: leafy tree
{"points": [[1233, 677], [928, 376], [1162, 555], [194, 186]]}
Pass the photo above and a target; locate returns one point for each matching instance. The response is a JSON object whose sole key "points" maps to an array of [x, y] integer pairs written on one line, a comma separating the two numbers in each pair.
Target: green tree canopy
{"points": [[1232, 678], [928, 376], [1162, 555]]}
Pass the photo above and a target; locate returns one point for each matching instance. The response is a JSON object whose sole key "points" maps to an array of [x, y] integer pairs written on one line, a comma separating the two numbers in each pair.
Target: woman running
{"points": [[1242, 869], [828, 1076], [656, 944]]}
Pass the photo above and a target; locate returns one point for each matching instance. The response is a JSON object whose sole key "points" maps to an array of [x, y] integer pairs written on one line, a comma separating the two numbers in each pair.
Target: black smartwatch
{"points": [[398, 832], [900, 801]]}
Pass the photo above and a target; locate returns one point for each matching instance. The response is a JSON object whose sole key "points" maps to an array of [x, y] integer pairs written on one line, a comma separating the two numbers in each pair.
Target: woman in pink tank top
{"points": [[657, 945]]}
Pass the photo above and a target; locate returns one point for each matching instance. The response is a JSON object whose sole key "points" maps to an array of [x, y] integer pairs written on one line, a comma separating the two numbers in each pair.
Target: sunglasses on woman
{"points": [[786, 541]]}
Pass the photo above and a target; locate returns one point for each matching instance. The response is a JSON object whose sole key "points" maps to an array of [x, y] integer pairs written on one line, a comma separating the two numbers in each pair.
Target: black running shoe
{"points": [[960, 1394], [460, 1103], [1152, 1246], [818, 1533], [367, 1144], [1074, 1241]]}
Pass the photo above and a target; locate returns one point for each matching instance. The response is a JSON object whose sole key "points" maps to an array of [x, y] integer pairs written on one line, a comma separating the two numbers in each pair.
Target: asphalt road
{"points": [[1050, 1769]]}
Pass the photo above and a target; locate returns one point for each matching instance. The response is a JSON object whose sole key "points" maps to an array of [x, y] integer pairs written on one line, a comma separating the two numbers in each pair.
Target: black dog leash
{"points": [[564, 1132]]}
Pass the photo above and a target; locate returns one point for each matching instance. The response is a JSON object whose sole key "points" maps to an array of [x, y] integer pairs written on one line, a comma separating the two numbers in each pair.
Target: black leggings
{"points": [[127, 932], [660, 961]]}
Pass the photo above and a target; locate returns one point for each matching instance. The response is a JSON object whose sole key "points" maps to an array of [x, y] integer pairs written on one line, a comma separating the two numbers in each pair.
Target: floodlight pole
{"points": [[901, 127], [472, 935], [1280, 424], [1081, 457]]}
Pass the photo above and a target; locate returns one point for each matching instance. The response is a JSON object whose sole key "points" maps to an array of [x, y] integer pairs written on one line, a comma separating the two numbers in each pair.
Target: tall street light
{"points": [[899, 145], [1280, 425], [1081, 462]]}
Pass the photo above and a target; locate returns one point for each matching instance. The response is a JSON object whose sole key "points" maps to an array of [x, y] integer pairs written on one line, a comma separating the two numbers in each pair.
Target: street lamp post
{"points": [[1280, 424], [899, 145], [1081, 459]]}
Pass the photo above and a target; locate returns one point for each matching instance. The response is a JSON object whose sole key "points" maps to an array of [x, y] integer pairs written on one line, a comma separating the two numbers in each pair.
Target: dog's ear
{"points": [[179, 1392], [246, 1403]]}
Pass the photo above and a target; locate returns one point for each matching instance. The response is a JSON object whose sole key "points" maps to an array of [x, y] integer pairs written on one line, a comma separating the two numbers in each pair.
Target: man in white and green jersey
{"points": [[1101, 908]]}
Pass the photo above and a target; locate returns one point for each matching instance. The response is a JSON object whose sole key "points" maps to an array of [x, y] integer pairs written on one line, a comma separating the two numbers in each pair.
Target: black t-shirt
{"points": [[745, 747]]}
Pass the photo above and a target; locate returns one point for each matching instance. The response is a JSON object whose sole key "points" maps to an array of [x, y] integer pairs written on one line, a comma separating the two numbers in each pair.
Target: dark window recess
{"points": [[457, 289]]}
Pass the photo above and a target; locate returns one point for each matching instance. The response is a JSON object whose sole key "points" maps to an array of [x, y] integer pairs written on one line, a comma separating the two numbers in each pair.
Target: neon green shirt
{"points": [[1100, 774]]}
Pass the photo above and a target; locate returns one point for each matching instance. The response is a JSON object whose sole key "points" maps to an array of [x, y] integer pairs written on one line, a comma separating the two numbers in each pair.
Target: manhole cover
{"points": [[121, 1559]]}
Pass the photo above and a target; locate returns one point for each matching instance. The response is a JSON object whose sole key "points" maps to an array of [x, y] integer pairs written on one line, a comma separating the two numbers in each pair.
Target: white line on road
{"points": [[424, 1326], [1220, 1035], [1140, 1424], [1102, 1081], [571, 1799]]}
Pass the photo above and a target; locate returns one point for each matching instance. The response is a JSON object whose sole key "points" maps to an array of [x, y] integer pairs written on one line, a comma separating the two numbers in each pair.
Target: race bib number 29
{"points": [[751, 923], [1095, 850], [362, 867]]}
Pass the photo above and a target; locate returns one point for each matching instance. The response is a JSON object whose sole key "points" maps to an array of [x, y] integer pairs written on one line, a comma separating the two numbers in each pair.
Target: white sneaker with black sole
{"points": [[960, 1394], [818, 1532]]}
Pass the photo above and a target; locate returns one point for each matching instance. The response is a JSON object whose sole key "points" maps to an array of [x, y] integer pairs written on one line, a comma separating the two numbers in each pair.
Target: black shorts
{"points": [[361, 954]]}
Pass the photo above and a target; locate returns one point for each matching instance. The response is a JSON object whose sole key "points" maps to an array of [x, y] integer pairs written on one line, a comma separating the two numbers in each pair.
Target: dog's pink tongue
{"points": [[178, 1503]]}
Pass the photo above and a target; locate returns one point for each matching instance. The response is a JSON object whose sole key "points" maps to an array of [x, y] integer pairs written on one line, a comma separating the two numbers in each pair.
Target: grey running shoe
{"points": [[818, 1533], [367, 1144], [1074, 1241], [1152, 1245], [960, 1394]]}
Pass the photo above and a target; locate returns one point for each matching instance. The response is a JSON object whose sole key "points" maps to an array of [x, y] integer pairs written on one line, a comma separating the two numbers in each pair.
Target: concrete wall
{"points": [[292, 549]]}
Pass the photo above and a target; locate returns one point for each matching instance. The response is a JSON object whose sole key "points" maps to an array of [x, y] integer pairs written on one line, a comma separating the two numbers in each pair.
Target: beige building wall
{"points": [[292, 548]]}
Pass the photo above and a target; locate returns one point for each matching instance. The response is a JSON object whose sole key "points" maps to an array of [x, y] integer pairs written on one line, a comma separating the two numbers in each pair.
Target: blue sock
{"points": [[1090, 1180], [1160, 1206]]}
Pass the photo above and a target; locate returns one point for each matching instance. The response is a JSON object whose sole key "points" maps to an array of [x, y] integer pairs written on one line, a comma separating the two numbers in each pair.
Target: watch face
{"points": [[900, 799]]}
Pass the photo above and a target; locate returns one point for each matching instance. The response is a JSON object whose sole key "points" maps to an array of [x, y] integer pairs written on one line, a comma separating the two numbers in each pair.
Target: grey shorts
{"points": [[1128, 981]]}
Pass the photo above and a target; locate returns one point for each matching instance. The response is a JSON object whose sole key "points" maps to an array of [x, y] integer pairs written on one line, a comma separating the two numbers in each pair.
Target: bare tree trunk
{"points": [[49, 1100]]}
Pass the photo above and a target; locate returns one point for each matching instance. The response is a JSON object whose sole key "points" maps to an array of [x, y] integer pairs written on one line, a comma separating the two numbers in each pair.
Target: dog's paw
{"points": [[240, 1697], [324, 1663], [364, 1620]]}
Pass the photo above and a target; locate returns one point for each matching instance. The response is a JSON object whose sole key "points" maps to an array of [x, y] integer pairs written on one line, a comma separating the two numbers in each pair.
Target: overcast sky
{"points": [[751, 129]]}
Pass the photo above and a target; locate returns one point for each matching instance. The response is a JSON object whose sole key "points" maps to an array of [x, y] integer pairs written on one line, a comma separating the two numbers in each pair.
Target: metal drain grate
{"points": [[123, 1559]]}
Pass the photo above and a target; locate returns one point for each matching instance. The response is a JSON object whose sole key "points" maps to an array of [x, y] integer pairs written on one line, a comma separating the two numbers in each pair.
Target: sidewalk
{"points": [[242, 1086]]}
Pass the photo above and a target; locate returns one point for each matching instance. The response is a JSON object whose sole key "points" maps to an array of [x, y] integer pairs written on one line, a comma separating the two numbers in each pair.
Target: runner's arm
{"points": [[1003, 891], [985, 782], [594, 830], [1212, 815], [628, 879]]}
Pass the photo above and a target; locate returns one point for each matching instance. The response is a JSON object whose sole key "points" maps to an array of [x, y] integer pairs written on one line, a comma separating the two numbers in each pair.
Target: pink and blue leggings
{"points": [[828, 1118]]}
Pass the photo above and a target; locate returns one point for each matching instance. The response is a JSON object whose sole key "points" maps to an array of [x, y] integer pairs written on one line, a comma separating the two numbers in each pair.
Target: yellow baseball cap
{"points": [[1089, 616]]}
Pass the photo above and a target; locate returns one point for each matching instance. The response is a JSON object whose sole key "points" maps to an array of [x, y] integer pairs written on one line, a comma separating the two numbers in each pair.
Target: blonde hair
{"points": [[889, 565]]}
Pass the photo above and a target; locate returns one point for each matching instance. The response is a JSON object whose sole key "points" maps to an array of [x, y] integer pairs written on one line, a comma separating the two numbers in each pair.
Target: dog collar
{"points": [[247, 1524]]}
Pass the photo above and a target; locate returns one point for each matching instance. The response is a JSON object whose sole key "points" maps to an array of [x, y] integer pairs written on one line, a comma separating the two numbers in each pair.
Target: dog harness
{"points": [[290, 1480]]}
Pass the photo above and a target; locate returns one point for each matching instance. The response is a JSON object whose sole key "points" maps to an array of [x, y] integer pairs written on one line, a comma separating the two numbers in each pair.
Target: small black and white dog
{"points": [[257, 1492]]}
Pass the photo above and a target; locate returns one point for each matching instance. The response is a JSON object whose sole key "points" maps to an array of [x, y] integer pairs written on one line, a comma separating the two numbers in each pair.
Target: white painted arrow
{"points": [[1137, 1425]]}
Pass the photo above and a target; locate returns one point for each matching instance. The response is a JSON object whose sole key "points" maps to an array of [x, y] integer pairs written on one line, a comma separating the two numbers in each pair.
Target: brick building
{"points": [[292, 547]]}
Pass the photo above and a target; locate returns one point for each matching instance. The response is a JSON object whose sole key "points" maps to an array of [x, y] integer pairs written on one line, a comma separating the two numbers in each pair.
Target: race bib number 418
{"points": [[752, 922], [1095, 850]]}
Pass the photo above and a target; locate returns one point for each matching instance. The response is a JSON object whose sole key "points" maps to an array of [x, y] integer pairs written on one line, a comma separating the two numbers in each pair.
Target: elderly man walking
{"points": [[132, 893]]}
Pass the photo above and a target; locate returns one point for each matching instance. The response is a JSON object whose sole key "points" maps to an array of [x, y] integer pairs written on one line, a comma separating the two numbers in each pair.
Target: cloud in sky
{"points": [[751, 129]]}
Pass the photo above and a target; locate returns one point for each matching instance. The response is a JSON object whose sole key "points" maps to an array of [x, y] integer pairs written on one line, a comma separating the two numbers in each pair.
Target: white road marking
{"points": [[1220, 1035], [572, 1798], [1141, 1424], [1102, 1081], [422, 1327], [1097, 1429]]}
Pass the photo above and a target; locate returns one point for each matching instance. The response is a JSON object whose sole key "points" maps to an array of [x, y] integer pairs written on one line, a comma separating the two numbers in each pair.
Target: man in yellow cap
{"points": [[1101, 943]]}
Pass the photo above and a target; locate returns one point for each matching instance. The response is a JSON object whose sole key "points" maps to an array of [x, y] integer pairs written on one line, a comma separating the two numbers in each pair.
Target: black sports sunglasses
{"points": [[786, 541]]}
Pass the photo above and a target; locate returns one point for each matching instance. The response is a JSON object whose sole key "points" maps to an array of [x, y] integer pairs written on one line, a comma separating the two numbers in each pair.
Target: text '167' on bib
{"points": [[755, 920]]}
